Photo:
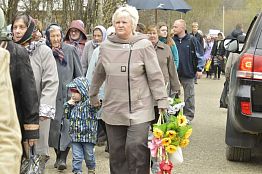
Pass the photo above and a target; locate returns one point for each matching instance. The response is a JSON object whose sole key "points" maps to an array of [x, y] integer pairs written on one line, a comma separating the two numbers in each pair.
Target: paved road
{"points": [[206, 152]]}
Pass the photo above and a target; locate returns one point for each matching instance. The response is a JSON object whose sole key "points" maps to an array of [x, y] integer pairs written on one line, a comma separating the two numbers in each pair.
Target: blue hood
{"points": [[82, 85]]}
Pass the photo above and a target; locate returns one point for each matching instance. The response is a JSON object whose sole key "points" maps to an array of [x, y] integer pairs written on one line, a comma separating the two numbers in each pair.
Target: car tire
{"points": [[238, 154]]}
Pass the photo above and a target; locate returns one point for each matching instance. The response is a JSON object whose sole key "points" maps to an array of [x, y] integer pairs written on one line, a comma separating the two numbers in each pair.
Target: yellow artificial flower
{"points": [[166, 141], [171, 134], [181, 120], [188, 133], [171, 149], [158, 133], [184, 143]]}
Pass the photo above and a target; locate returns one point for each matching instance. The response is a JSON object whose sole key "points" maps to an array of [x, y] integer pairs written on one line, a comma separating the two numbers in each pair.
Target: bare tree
{"points": [[11, 10]]}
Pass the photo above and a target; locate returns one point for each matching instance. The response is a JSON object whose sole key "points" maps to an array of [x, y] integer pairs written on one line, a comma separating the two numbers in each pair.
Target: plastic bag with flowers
{"points": [[170, 133]]}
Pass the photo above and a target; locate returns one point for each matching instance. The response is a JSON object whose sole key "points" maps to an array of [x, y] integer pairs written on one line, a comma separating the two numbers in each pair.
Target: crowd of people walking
{"points": [[67, 89]]}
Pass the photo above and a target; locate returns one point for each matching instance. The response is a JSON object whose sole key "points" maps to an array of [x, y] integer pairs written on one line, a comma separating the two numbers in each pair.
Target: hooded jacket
{"points": [[133, 80], [83, 118], [79, 44]]}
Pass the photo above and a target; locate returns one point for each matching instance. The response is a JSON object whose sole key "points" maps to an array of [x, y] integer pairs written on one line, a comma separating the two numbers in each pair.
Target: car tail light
{"points": [[245, 107], [245, 66], [257, 72], [250, 66]]}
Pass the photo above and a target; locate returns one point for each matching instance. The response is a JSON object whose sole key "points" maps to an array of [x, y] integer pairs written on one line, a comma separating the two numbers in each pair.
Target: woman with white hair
{"points": [[133, 79], [68, 67]]}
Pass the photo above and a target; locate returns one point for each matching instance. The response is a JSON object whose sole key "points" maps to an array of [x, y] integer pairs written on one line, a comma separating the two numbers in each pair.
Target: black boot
{"points": [[62, 162], [57, 158]]}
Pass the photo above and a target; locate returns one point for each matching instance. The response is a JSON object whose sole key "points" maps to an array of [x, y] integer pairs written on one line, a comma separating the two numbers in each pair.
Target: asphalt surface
{"points": [[206, 151]]}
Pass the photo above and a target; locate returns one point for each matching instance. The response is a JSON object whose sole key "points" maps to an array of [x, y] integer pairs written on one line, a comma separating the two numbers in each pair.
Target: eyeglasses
{"points": [[74, 31]]}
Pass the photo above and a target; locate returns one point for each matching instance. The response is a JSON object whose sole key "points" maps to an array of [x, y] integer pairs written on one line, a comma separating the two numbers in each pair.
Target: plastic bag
{"points": [[177, 157], [31, 164], [208, 65]]}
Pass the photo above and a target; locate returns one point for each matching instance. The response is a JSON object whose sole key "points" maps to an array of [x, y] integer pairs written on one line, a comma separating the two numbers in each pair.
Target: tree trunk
{"points": [[100, 12], [11, 11]]}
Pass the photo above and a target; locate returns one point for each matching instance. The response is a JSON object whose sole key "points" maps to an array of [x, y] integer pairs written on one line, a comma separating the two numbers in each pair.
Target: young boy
{"points": [[83, 125]]}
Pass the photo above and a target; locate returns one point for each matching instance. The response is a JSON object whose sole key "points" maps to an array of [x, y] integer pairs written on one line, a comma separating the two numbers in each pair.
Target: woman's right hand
{"points": [[97, 104]]}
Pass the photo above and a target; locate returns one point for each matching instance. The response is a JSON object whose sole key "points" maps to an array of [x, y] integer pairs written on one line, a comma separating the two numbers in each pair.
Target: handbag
{"points": [[177, 157], [208, 65], [30, 165]]}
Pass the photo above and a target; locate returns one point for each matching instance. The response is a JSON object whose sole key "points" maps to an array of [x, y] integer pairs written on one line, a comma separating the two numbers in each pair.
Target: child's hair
{"points": [[74, 90]]}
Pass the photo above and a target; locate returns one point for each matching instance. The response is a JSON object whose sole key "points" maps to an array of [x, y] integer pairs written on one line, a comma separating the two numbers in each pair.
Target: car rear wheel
{"points": [[238, 154]]}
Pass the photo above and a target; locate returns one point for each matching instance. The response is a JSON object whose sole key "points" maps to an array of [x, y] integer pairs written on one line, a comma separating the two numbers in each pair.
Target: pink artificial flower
{"points": [[166, 167], [154, 145]]}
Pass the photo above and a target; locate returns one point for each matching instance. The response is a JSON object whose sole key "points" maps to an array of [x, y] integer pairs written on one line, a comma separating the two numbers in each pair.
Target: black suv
{"points": [[244, 116]]}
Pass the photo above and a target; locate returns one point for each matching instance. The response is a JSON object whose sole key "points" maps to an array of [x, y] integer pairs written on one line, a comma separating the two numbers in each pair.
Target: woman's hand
{"points": [[162, 110]]}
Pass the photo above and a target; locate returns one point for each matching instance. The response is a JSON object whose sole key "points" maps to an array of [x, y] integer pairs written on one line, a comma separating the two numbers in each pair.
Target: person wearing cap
{"points": [[69, 67], [46, 80], [76, 36], [83, 125], [99, 35], [10, 141]]}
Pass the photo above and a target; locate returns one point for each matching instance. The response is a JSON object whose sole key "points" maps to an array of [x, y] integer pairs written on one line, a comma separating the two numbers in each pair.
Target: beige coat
{"points": [[10, 141], [133, 80], [165, 59]]}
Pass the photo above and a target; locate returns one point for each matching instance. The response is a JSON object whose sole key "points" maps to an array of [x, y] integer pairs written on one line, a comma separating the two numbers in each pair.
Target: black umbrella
{"points": [[177, 5]]}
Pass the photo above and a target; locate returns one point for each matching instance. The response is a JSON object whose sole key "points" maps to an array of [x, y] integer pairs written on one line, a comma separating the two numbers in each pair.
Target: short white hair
{"points": [[131, 11]]}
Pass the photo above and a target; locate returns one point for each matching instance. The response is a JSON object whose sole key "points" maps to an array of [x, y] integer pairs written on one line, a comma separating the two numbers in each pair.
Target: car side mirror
{"points": [[231, 45]]}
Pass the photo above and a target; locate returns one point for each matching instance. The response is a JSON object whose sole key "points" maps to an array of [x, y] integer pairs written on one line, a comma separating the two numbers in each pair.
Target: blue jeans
{"points": [[83, 151]]}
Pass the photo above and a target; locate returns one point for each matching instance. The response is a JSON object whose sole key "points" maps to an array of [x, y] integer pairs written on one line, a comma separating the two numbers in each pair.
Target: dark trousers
{"points": [[217, 71], [128, 151]]}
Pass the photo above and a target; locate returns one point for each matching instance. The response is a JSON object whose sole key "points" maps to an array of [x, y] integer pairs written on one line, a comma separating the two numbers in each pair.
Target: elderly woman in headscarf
{"points": [[46, 78], [99, 35], [76, 36], [69, 67]]}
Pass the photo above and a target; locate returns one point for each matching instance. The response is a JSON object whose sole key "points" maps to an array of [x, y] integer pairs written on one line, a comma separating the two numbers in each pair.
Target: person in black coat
{"points": [[25, 94]]}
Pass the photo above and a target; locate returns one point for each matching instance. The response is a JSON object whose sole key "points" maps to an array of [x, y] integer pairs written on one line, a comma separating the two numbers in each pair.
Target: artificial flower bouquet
{"points": [[170, 134]]}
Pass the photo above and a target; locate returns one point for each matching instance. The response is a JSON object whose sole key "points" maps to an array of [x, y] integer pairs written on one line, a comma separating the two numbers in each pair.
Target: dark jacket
{"points": [[218, 50], [199, 38], [190, 51], [25, 93]]}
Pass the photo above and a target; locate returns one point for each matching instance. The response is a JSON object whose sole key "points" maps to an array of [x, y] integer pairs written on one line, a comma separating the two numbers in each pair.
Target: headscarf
{"points": [[29, 32], [58, 53], [103, 31]]}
